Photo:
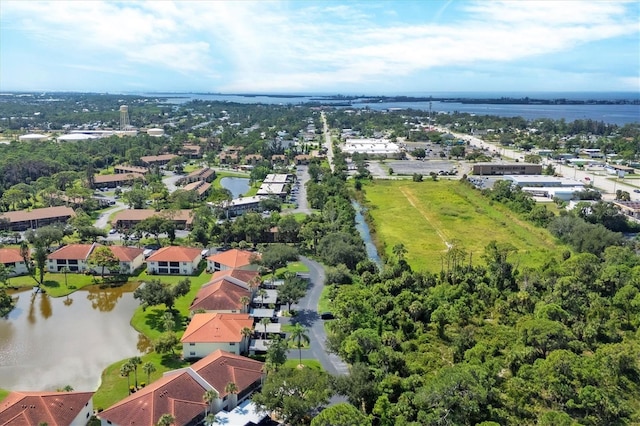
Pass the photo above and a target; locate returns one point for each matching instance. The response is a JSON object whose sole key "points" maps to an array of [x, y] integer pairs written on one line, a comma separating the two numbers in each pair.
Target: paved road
{"points": [[103, 219], [599, 178], [308, 316], [327, 140]]}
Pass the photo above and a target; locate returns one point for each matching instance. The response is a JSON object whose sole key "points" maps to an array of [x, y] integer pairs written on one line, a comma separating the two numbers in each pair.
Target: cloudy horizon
{"points": [[320, 47]]}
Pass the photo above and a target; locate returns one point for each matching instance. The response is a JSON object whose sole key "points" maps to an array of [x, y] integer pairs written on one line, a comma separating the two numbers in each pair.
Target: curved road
{"points": [[308, 316]]}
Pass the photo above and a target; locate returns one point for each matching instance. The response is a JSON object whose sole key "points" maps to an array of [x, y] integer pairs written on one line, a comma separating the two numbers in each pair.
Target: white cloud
{"points": [[299, 45]]}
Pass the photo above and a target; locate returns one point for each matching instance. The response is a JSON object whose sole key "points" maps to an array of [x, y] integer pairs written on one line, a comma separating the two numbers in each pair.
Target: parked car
{"points": [[326, 315]]}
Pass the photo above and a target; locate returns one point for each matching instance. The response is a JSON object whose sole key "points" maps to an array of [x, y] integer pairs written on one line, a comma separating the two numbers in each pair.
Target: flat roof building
{"points": [[483, 169]]}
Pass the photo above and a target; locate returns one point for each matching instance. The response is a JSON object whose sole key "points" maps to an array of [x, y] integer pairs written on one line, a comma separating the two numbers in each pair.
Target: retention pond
{"points": [[47, 343]]}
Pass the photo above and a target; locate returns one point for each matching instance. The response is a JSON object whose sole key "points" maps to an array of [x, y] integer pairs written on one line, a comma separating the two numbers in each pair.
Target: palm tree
{"points": [[208, 397], [125, 371], [149, 368], [262, 293], [210, 419], [168, 321], [232, 390], [244, 301], [265, 322], [299, 337], [399, 250], [65, 270], [246, 336], [165, 420], [135, 361]]}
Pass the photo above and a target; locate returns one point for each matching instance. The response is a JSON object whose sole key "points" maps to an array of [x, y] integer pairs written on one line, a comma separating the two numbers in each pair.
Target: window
{"points": [[61, 262], [73, 261], [163, 271], [192, 353], [192, 344], [163, 263], [174, 264], [232, 344]]}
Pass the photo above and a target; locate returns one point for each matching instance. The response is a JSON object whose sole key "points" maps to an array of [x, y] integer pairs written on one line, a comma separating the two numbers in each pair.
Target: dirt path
{"points": [[414, 203]]}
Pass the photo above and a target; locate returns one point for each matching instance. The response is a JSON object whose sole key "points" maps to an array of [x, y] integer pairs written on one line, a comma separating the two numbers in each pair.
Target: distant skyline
{"points": [[369, 47]]}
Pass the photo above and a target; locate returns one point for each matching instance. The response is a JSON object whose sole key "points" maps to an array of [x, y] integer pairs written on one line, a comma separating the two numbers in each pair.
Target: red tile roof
{"points": [[233, 258], [220, 368], [72, 251], [239, 274], [126, 254], [175, 254], [33, 408], [118, 177], [177, 393], [216, 328], [37, 214], [142, 214], [156, 158], [10, 255], [219, 296], [180, 394]]}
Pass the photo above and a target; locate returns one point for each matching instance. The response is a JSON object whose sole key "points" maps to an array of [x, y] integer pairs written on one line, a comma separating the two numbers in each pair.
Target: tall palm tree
{"points": [[135, 361], [166, 420], [265, 322], [244, 301], [300, 337], [210, 419], [262, 293], [246, 336], [65, 270], [148, 368], [208, 397], [232, 389], [125, 371]]}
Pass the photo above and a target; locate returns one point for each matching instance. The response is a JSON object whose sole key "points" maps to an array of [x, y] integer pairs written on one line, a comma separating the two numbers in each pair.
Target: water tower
{"points": [[124, 117]]}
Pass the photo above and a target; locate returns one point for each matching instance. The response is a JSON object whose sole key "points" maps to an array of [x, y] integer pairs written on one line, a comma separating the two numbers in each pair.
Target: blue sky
{"points": [[368, 47]]}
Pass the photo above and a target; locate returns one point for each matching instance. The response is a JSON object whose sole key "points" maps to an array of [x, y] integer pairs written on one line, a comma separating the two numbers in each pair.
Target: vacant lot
{"points": [[429, 217]]}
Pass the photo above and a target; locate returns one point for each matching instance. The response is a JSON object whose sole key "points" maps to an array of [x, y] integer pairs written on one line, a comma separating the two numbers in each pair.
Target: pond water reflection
{"points": [[47, 343], [238, 186]]}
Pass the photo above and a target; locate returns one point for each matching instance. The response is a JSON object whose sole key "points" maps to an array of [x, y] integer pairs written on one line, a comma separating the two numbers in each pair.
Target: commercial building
{"points": [[489, 169]]}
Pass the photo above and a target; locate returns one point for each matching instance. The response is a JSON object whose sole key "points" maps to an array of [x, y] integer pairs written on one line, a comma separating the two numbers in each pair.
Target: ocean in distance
{"points": [[619, 114]]}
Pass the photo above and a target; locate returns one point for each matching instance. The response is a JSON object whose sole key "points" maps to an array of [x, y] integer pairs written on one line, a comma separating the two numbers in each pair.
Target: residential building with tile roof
{"points": [[22, 220], [232, 259], [159, 160], [221, 296], [129, 218], [12, 260], [174, 260], [115, 180], [75, 257], [52, 408], [208, 332], [180, 392]]}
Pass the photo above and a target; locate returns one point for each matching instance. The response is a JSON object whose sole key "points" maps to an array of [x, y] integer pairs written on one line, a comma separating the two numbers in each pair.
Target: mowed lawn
{"points": [[425, 216]]}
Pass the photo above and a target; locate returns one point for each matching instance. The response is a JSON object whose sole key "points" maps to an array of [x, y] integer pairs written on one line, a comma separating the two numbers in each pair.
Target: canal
{"points": [[47, 343], [365, 234]]}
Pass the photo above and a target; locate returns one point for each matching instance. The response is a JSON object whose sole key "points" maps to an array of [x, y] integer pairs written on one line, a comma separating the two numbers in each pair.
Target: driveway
{"points": [[308, 316]]}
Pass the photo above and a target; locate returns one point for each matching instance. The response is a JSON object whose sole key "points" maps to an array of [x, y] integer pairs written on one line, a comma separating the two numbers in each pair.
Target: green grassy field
{"points": [[113, 387], [149, 322], [426, 216], [55, 284]]}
